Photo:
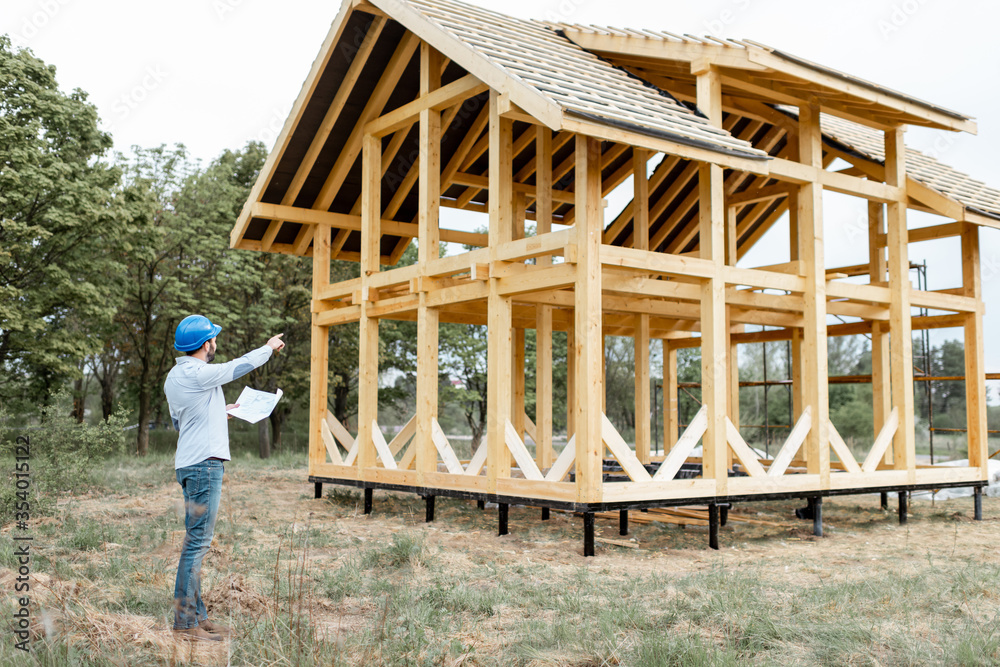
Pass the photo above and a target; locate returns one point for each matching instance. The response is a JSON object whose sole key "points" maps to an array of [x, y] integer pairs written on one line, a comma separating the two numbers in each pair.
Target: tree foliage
{"points": [[58, 218]]}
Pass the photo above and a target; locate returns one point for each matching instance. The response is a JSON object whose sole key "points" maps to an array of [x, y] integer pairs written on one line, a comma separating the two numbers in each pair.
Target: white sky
{"points": [[214, 74]]}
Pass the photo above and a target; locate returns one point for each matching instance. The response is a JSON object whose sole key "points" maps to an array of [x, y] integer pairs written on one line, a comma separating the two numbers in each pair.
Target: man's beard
{"points": [[210, 358]]}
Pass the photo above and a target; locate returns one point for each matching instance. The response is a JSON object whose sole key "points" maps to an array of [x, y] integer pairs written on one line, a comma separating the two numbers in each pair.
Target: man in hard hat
{"points": [[198, 410]]}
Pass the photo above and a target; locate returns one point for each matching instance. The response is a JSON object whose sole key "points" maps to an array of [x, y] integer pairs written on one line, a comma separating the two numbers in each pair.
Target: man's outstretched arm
{"points": [[214, 375]]}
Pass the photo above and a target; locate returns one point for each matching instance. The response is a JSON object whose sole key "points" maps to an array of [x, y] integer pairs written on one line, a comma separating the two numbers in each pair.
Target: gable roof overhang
{"points": [[760, 71]]}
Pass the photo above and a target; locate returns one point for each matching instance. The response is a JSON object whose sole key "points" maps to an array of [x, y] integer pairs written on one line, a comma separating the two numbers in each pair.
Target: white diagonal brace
{"points": [[680, 451], [792, 444], [384, 454], [448, 455], [342, 435], [521, 454], [478, 460], [563, 462], [404, 434], [626, 457], [331, 445], [842, 450], [742, 451], [882, 442]]}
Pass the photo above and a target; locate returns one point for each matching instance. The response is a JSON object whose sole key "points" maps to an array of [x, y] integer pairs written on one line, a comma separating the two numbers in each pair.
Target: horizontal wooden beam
{"points": [[662, 145], [754, 195], [441, 98], [794, 172], [308, 216]]}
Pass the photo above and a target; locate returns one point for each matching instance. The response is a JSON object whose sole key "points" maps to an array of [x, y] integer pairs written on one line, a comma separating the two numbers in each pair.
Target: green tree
{"points": [[58, 221], [170, 272], [463, 363], [262, 293]]}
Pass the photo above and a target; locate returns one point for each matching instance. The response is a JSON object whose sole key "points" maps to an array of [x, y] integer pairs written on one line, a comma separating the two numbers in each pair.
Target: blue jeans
{"points": [[202, 485]]}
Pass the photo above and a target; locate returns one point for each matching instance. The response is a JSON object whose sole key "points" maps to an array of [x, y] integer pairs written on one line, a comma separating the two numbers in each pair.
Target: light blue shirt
{"points": [[198, 406]]}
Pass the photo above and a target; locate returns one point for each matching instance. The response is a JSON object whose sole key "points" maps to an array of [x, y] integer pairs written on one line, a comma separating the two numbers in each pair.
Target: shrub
{"points": [[63, 454]]}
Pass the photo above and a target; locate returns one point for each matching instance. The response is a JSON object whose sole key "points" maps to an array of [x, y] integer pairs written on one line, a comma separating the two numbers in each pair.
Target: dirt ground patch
{"points": [[318, 578]]}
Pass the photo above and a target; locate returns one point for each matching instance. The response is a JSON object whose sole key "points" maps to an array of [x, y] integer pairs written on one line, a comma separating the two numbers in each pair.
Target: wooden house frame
{"points": [[414, 105]]}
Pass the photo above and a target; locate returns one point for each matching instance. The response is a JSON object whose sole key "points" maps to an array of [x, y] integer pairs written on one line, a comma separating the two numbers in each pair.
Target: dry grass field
{"points": [[316, 582]]}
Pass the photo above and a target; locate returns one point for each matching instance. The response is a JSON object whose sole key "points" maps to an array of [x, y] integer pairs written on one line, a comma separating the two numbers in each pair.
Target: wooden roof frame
{"points": [[752, 64], [745, 68]]}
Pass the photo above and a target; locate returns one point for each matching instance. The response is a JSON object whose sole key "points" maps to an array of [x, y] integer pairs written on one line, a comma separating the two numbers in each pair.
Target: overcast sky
{"points": [[214, 74]]}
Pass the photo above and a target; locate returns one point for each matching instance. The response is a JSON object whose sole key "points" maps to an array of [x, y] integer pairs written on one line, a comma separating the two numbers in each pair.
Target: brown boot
{"points": [[197, 633], [215, 628]]}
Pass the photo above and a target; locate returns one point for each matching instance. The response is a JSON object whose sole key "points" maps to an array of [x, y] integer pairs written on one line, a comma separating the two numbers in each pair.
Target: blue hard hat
{"points": [[193, 331]]}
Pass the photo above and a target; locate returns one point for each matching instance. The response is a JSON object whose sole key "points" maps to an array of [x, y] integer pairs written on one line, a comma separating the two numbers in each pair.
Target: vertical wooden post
{"points": [[881, 394], [319, 362], [518, 382], [570, 383], [900, 334], [733, 385], [640, 200], [517, 359], [796, 342], [371, 215], [714, 338], [499, 314], [428, 244], [814, 344], [588, 321], [975, 366], [544, 455], [643, 404], [670, 418]]}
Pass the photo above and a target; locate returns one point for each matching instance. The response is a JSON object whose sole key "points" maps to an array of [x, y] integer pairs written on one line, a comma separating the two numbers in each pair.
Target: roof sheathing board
{"points": [[576, 80], [752, 55], [869, 144]]}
